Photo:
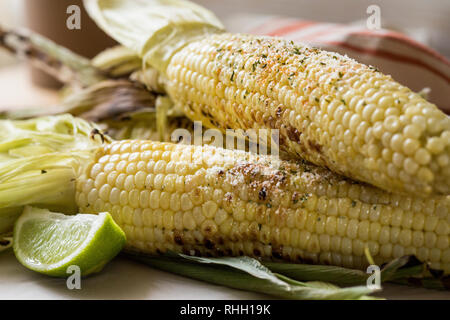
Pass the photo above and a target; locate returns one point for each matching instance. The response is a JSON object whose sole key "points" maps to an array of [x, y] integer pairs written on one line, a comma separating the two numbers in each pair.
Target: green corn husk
{"points": [[123, 107], [227, 271], [404, 270], [109, 99], [39, 161], [162, 32], [117, 62], [126, 110], [63, 64], [248, 274]]}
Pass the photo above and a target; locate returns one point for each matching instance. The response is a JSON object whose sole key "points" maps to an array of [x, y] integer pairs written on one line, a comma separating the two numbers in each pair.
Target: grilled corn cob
{"points": [[211, 201], [330, 110]]}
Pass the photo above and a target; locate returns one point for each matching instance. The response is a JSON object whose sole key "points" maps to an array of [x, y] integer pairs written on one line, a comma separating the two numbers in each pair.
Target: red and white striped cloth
{"points": [[406, 60]]}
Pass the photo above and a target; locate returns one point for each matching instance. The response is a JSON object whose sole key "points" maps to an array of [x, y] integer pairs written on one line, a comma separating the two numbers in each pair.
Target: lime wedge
{"points": [[49, 242]]}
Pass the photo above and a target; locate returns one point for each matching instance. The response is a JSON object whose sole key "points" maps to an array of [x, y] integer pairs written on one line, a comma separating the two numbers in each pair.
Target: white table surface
{"points": [[127, 279], [122, 278]]}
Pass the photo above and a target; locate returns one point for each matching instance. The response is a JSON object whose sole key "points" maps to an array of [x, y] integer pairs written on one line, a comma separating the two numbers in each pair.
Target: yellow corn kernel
{"points": [[331, 220]]}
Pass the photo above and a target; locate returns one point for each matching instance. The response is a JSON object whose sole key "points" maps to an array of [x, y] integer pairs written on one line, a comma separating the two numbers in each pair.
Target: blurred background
{"points": [[425, 21]]}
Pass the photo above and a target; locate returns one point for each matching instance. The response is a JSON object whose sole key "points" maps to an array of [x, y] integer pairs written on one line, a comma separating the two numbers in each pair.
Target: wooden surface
{"points": [[121, 279]]}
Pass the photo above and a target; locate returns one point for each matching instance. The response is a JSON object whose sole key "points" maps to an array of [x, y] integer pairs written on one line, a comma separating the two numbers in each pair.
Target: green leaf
{"points": [[402, 267], [408, 270], [246, 273], [305, 272]]}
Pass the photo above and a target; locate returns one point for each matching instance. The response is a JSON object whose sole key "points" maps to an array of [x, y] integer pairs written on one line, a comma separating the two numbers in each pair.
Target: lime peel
{"points": [[48, 242]]}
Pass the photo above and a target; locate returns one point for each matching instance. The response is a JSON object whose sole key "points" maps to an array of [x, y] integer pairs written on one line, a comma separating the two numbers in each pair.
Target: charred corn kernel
{"points": [[329, 109], [289, 210]]}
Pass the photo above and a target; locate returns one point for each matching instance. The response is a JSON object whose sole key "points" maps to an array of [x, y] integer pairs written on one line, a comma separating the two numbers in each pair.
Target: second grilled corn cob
{"points": [[330, 110], [210, 201]]}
